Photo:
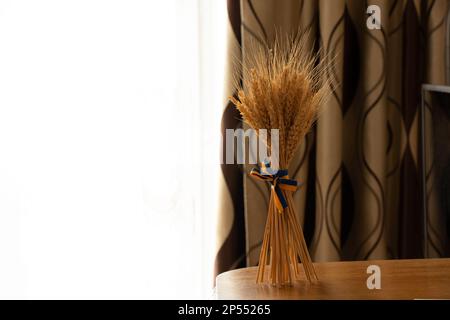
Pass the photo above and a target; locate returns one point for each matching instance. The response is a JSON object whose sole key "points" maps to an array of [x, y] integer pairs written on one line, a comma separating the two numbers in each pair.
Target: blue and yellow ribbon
{"points": [[279, 180]]}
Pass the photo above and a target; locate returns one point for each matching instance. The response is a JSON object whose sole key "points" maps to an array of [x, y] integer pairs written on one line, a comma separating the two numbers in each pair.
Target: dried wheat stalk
{"points": [[282, 89]]}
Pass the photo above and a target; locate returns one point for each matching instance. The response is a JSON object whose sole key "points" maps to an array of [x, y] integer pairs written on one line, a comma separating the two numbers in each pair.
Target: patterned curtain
{"points": [[360, 168]]}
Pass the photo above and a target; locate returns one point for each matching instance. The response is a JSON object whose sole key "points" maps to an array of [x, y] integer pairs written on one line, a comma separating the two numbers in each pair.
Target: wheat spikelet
{"points": [[282, 88]]}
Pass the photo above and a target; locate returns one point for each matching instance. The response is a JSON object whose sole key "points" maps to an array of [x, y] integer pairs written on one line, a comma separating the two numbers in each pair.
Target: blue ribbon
{"points": [[279, 180]]}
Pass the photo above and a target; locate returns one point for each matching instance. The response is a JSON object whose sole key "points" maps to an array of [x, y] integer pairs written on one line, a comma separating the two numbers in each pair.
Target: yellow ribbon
{"points": [[279, 180]]}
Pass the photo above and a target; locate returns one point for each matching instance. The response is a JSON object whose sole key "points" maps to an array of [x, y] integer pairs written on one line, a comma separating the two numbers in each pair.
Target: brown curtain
{"points": [[360, 168]]}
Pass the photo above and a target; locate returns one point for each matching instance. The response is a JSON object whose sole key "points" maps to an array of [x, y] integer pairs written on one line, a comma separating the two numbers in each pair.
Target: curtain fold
{"points": [[360, 166]]}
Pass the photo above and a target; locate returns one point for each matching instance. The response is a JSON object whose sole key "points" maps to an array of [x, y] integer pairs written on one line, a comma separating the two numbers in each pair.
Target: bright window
{"points": [[108, 111]]}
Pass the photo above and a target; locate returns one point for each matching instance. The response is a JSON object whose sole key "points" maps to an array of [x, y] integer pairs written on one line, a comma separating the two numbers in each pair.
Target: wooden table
{"points": [[400, 279]]}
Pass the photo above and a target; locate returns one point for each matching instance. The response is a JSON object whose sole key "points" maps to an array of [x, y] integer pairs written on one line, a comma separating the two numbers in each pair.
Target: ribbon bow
{"points": [[279, 180]]}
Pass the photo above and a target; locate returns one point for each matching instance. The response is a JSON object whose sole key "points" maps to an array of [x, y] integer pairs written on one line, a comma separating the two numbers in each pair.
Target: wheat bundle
{"points": [[282, 89]]}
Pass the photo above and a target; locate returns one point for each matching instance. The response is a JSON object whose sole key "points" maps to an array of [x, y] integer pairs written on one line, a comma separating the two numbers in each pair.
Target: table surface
{"points": [[400, 279]]}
